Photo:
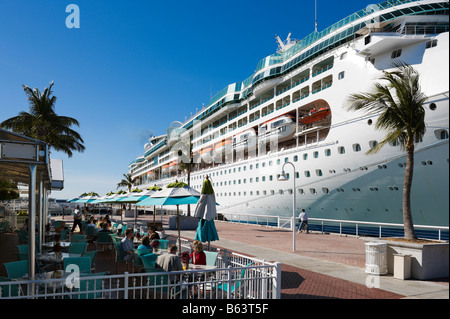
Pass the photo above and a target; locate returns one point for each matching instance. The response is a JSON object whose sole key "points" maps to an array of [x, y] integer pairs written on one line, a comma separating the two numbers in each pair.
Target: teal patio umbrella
{"points": [[173, 196], [133, 198]]}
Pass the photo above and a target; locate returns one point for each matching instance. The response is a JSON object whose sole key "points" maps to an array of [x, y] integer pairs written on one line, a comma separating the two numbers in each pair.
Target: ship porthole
{"points": [[369, 122], [433, 106]]}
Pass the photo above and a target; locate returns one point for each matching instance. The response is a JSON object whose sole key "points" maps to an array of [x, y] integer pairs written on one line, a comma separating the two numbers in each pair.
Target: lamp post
{"points": [[284, 178]]}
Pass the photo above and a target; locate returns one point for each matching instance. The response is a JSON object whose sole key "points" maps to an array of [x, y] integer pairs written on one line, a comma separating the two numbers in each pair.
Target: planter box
{"points": [[428, 261]]}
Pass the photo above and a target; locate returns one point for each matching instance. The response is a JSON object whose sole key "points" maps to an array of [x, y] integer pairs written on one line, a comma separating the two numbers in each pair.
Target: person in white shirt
{"points": [[77, 219], [303, 219]]}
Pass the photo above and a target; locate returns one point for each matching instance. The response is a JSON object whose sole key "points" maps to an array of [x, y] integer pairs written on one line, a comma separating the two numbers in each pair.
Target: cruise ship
{"points": [[294, 108]]}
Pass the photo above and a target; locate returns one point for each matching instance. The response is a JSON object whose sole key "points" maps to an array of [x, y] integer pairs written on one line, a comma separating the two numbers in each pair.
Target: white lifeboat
{"points": [[279, 129], [244, 140]]}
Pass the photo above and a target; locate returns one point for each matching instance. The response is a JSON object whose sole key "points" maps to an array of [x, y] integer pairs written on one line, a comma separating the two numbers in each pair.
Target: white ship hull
{"points": [[336, 179]]}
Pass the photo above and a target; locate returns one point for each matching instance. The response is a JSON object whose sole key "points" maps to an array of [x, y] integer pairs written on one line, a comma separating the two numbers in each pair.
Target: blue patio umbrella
{"points": [[133, 198], [173, 196]]}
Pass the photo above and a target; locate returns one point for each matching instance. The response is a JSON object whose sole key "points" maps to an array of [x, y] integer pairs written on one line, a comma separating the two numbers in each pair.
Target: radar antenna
{"points": [[283, 46]]}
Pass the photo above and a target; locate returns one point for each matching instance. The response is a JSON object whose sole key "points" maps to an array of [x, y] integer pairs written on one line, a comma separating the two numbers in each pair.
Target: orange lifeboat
{"points": [[315, 116], [219, 148]]}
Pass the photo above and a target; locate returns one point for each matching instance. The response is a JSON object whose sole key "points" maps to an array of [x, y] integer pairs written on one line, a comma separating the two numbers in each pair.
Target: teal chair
{"points": [[77, 248], [91, 232], [8, 290], [104, 239], [211, 258], [236, 283], [120, 254], [137, 256], [64, 234], [4, 226], [115, 238], [164, 243], [56, 223], [23, 252], [84, 263], [78, 239], [16, 269], [23, 236], [91, 254], [149, 262]]}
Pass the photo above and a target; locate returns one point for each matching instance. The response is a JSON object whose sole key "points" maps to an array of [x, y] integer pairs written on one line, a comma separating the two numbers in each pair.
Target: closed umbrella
{"points": [[206, 211]]}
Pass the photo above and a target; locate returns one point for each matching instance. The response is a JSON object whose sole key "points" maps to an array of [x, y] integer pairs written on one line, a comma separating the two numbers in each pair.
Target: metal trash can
{"points": [[376, 263]]}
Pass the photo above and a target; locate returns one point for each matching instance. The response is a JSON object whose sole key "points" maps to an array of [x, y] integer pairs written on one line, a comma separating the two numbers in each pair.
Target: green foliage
{"points": [[8, 190], [154, 188], [177, 184], [43, 124]]}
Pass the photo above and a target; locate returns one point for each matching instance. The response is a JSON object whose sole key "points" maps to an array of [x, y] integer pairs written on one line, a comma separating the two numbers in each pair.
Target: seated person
{"points": [[198, 256], [91, 229], [170, 260], [127, 245], [105, 229], [145, 246], [153, 234]]}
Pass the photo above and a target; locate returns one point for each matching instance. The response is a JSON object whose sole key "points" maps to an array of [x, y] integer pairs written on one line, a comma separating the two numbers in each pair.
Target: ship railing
{"points": [[378, 229], [341, 227]]}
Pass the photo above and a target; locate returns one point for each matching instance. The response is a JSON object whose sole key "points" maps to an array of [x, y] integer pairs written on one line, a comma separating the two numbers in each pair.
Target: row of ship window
{"points": [[301, 191], [440, 134]]}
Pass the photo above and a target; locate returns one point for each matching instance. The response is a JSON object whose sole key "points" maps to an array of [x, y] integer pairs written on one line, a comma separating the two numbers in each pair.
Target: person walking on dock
{"points": [[303, 219], [77, 219]]}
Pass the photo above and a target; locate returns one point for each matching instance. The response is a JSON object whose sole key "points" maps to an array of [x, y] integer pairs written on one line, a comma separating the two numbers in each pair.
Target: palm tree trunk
{"points": [[407, 184]]}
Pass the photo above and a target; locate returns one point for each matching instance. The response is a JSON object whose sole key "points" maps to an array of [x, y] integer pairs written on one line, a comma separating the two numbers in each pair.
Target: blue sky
{"points": [[134, 67]]}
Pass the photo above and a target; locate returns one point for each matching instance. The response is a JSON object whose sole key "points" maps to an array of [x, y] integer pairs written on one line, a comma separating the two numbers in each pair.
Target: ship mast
{"points": [[315, 15]]}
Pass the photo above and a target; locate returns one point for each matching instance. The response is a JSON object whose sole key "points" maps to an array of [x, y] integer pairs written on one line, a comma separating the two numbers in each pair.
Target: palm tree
{"points": [[187, 166], [127, 182], [400, 104], [42, 123]]}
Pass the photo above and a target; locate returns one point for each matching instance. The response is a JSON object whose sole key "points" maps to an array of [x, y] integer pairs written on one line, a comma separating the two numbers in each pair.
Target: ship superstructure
{"points": [[294, 108]]}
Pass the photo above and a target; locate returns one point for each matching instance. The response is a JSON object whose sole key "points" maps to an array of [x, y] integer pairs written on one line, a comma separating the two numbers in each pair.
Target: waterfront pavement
{"points": [[323, 265]]}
